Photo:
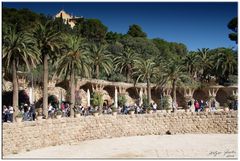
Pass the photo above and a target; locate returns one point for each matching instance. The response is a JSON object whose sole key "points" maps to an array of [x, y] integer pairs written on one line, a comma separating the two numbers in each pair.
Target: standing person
{"points": [[189, 104], [5, 113], [174, 106], [26, 112], [10, 108], [196, 105], [63, 109], [201, 105], [32, 112], [50, 110], [154, 107], [213, 105]]}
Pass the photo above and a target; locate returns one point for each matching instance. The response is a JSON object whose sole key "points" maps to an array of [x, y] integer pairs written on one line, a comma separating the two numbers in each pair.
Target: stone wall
{"points": [[25, 136]]}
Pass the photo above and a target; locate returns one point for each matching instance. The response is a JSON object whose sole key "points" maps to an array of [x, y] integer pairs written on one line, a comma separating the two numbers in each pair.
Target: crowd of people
{"points": [[7, 114], [28, 112], [110, 109]]}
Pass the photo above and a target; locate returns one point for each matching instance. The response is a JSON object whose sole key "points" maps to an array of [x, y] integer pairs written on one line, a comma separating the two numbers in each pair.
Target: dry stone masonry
{"points": [[25, 136]]}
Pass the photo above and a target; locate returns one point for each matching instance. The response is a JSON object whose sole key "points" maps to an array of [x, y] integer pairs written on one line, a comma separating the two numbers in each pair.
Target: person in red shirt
{"points": [[196, 105]]}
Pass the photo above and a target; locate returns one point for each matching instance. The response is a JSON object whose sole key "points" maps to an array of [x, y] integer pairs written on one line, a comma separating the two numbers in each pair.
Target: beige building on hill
{"points": [[67, 18]]}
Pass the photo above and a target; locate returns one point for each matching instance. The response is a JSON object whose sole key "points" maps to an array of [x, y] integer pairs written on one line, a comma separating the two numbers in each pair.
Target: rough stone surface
{"points": [[25, 136]]}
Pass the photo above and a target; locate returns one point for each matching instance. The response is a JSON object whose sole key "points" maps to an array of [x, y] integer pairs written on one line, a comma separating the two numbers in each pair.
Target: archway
{"points": [[155, 95], [180, 99], [221, 96], [133, 93], [110, 90], [199, 94], [52, 99], [22, 95]]}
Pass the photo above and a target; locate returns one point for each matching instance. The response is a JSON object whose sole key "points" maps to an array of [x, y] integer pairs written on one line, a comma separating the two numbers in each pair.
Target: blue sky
{"points": [[198, 24]]}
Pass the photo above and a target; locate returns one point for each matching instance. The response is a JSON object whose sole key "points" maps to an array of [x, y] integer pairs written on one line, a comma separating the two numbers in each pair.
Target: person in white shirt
{"points": [[154, 107], [10, 108]]}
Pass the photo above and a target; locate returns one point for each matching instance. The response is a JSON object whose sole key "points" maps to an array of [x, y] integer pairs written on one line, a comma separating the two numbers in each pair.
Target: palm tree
{"points": [[145, 70], [191, 63], [18, 49], [175, 72], [100, 57], [74, 60], [47, 40], [204, 61], [226, 63], [125, 61]]}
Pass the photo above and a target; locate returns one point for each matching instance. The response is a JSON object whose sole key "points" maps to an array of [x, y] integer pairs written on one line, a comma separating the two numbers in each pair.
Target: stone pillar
{"points": [[188, 95], [122, 90], [167, 94], [212, 92], [88, 98], [97, 87], [116, 98]]}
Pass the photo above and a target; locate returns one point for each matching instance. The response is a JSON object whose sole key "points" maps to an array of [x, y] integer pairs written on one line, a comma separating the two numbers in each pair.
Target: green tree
{"points": [[226, 63], [74, 61], [175, 72], [100, 58], [60, 26], [93, 30], [113, 37], [143, 46], [204, 62], [48, 42], [145, 69], [191, 63], [23, 19], [136, 31], [233, 25], [125, 62], [18, 48]]}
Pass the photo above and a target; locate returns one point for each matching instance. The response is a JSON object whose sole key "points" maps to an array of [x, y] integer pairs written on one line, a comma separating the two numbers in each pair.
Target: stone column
{"points": [[116, 98], [167, 94], [88, 98], [212, 92], [188, 95]]}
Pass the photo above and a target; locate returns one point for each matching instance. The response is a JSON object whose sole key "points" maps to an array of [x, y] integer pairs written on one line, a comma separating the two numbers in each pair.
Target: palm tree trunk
{"points": [[45, 85], [128, 73], [97, 71], [72, 94], [148, 91], [15, 89], [174, 91]]}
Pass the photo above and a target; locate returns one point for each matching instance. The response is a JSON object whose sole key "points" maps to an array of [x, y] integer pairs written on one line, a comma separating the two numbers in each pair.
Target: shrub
{"points": [[145, 101], [59, 112], [149, 108], [114, 109], [97, 99], [122, 100], [165, 103]]}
